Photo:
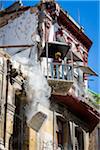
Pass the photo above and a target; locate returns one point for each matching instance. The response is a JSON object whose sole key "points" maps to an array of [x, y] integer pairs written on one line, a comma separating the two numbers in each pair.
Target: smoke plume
{"points": [[36, 86]]}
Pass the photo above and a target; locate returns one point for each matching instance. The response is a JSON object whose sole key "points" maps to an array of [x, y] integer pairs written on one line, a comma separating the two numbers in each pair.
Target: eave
{"points": [[80, 109], [65, 20]]}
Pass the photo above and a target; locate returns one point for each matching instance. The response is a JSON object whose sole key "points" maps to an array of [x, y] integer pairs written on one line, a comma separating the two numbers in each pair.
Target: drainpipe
{"points": [[46, 45], [6, 101], [47, 59]]}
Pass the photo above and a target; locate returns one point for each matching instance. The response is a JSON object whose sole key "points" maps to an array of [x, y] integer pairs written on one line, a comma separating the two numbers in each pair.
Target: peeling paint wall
{"points": [[22, 30]]}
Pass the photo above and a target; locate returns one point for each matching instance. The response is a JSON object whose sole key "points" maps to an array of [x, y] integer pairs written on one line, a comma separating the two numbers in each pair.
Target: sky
{"points": [[87, 14]]}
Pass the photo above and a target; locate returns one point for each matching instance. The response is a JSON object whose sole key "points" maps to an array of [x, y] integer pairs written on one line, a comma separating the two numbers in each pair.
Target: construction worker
{"points": [[58, 57], [57, 61]]}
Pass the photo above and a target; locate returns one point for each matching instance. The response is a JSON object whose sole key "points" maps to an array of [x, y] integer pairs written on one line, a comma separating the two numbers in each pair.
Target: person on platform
{"points": [[57, 62]]}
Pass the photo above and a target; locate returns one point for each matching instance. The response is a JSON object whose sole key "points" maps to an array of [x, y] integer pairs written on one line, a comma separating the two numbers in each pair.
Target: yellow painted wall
{"points": [[32, 139], [38, 140]]}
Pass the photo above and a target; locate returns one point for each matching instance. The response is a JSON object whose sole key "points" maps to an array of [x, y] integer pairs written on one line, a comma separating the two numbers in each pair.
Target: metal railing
{"points": [[60, 71]]}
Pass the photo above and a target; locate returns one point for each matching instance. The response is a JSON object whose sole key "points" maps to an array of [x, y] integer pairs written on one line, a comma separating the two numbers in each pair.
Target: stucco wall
{"points": [[94, 140], [22, 30]]}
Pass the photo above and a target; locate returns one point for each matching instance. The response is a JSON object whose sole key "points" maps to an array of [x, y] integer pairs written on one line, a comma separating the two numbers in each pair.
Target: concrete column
{"points": [[54, 129], [1, 128], [32, 139], [86, 140], [9, 123], [66, 129], [73, 134], [2, 98], [1, 144]]}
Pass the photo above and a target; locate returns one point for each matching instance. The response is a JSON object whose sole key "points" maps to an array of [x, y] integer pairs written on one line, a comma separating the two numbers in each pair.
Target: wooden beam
{"points": [[16, 46]]}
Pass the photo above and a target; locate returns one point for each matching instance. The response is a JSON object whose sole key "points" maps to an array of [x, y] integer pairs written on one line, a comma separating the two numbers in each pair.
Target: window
{"points": [[75, 137], [17, 139], [60, 133], [68, 135], [79, 141]]}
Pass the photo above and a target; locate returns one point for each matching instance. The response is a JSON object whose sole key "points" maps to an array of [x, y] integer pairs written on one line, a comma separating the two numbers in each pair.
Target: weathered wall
{"points": [[43, 137], [2, 96], [93, 140], [10, 104], [22, 30]]}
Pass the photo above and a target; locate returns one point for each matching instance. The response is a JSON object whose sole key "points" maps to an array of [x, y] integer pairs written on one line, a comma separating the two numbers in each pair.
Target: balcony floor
{"points": [[60, 86]]}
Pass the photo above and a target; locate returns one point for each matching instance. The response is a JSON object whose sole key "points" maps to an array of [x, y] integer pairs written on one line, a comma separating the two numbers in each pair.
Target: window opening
{"points": [[60, 133], [79, 140]]}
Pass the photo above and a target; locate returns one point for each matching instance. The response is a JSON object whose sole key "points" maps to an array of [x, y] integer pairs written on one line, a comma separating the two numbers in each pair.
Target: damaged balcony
{"points": [[60, 77], [58, 74]]}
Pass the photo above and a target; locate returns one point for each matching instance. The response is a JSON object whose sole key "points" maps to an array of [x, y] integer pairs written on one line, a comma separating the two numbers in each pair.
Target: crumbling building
{"points": [[33, 116]]}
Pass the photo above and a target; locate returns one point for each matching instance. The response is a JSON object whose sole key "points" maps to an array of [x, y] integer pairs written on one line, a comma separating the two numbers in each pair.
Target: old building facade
{"points": [[43, 81]]}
